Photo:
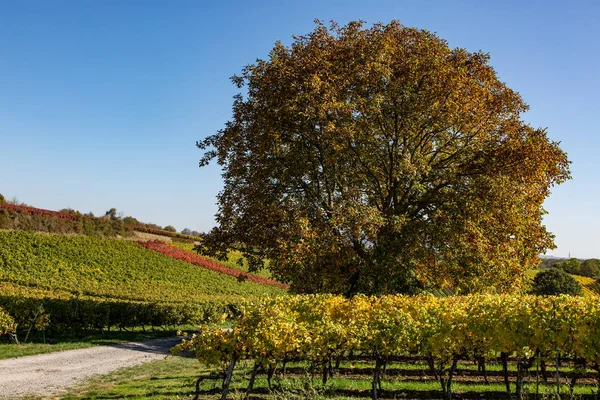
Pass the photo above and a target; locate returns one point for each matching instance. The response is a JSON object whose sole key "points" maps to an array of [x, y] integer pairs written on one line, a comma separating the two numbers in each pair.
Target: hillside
{"points": [[110, 268], [75, 271], [210, 264], [33, 219], [589, 285], [233, 261]]}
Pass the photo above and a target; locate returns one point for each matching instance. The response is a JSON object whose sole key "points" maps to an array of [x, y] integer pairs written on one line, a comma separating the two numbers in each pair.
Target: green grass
{"points": [[175, 377], [70, 342], [109, 268], [172, 378]]}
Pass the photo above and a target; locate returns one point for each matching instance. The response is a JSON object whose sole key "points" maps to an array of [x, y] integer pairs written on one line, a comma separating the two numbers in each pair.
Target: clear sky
{"points": [[101, 102]]}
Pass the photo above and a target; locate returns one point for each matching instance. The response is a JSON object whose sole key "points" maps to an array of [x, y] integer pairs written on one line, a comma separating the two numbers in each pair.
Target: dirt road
{"points": [[49, 374]]}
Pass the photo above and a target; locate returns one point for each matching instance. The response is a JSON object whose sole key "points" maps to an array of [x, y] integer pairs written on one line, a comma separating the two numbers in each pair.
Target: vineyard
{"points": [[589, 285], [203, 262], [385, 347], [90, 282], [7, 323], [527, 336], [234, 259]]}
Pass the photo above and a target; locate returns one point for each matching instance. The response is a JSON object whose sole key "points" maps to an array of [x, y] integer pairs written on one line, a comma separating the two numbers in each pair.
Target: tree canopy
{"points": [[380, 160], [589, 267], [552, 282]]}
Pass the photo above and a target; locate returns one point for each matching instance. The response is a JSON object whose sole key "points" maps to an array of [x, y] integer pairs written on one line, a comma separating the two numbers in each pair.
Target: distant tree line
{"points": [[190, 232], [556, 275], [112, 223], [574, 266], [113, 214]]}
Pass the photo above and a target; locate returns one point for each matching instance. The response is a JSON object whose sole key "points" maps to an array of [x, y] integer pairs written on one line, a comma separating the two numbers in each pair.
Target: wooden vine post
{"points": [[37, 314], [228, 377], [252, 378]]}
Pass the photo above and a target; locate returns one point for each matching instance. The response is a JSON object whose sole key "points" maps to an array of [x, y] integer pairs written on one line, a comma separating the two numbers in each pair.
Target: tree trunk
{"points": [[198, 381], [537, 378], [448, 394], [597, 369], [228, 377], [376, 377], [270, 374], [252, 378], [481, 368], [579, 363], [543, 370], [504, 357], [519, 379], [330, 365], [557, 374], [431, 363]]}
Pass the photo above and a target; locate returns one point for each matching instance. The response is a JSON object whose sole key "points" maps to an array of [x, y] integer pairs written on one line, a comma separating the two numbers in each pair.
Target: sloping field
{"points": [[82, 283], [202, 262], [232, 262], [33, 219], [589, 285], [110, 268]]}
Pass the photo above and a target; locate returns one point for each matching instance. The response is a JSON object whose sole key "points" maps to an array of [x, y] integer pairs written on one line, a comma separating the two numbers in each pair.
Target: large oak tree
{"points": [[380, 160]]}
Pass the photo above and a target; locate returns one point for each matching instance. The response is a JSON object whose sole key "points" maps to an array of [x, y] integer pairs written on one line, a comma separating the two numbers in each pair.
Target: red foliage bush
{"points": [[200, 261], [39, 211]]}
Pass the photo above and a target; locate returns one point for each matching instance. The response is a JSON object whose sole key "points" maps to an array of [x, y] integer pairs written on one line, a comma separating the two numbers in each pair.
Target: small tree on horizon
{"points": [[570, 266], [112, 213]]}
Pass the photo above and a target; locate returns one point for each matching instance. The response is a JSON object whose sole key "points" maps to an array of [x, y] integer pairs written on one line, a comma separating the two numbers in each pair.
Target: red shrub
{"points": [[39, 211], [200, 261]]}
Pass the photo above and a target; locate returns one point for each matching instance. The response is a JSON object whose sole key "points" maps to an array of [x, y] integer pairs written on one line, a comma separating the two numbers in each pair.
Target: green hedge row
{"points": [[24, 219], [56, 315]]}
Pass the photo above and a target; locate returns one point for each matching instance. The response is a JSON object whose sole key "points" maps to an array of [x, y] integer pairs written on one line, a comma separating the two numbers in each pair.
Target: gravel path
{"points": [[48, 374]]}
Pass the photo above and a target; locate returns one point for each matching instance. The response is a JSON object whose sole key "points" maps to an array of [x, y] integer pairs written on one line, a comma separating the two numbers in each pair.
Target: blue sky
{"points": [[101, 102]]}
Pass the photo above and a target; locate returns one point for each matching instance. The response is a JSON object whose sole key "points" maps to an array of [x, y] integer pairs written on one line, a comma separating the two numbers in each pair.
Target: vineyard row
{"points": [[321, 328]]}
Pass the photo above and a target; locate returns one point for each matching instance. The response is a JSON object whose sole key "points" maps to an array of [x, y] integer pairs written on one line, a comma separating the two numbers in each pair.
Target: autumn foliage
{"points": [[203, 262], [91, 283], [380, 160], [323, 328], [117, 225], [38, 211]]}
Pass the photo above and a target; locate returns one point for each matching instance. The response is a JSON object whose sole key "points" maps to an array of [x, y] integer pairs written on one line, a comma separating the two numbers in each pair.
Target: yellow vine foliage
{"points": [[319, 327]]}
